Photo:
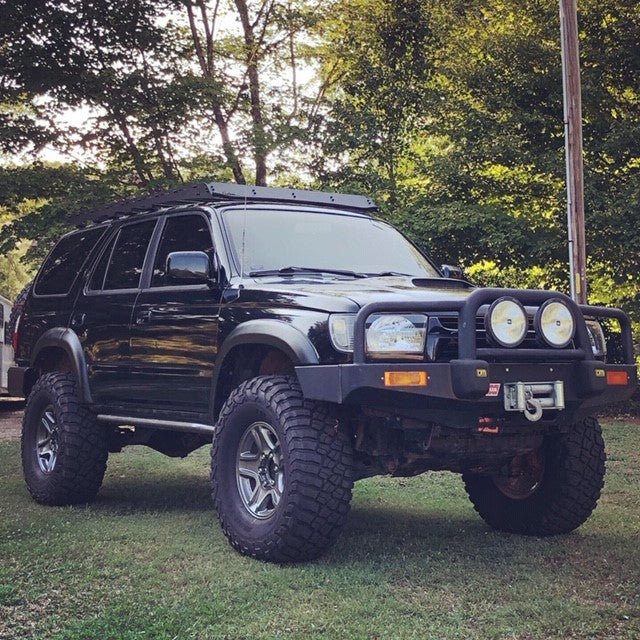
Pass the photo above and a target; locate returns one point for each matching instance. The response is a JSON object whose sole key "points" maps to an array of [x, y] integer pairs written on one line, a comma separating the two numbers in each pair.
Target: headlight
{"points": [[341, 331], [396, 334], [597, 339], [506, 322], [554, 322]]}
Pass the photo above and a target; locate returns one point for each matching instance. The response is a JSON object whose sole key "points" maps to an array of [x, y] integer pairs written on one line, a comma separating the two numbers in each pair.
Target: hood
{"points": [[342, 295]]}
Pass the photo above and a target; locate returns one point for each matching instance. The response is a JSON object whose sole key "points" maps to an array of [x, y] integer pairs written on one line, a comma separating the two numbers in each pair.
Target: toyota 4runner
{"points": [[314, 345]]}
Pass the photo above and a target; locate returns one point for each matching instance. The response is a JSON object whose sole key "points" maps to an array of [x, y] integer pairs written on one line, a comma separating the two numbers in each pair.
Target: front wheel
{"points": [[549, 491], [281, 471]]}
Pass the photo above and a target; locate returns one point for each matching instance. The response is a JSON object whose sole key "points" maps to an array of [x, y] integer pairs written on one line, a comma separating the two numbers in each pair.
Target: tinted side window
{"points": [[60, 269], [127, 258], [181, 233]]}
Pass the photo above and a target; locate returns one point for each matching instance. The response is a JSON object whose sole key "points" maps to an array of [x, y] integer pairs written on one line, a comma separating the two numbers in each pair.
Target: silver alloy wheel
{"points": [[259, 470], [47, 441]]}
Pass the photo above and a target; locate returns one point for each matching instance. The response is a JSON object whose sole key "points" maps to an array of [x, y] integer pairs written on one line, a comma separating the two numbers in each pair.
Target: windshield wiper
{"points": [[294, 270], [382, 274]]}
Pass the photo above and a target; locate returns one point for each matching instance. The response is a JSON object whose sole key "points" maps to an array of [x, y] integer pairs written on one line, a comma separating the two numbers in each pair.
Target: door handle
{"points": [[143, 317], [77, 320]]}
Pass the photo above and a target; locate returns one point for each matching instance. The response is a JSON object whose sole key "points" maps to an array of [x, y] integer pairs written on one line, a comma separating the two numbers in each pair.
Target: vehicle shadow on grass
{"points": [[186, 493], [412, 529], [419, 537], [374, 535]]}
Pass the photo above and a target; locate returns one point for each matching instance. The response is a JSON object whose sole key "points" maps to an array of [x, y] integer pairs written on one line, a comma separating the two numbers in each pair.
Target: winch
{"points": [[532, 398]]}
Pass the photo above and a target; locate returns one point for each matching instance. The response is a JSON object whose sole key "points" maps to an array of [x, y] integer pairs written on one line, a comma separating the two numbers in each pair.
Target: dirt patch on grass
{"points": [[10, 419], [622, 419]]}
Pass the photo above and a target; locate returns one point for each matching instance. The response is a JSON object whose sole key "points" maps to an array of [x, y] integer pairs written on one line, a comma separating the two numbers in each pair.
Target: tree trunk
{"points": [[259, 137], [139, 164], [227, 146], [206, 63]]}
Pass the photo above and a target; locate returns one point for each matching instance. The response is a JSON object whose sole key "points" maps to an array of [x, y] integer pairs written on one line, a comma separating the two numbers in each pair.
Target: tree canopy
{"points": [[449, 113]]}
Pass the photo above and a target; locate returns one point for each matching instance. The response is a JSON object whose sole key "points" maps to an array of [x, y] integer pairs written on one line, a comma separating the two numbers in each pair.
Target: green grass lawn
{"points": [[148, 560]]}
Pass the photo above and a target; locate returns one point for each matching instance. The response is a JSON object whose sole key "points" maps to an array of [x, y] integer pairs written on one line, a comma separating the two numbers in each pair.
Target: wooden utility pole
{"points": [[573, 148]]}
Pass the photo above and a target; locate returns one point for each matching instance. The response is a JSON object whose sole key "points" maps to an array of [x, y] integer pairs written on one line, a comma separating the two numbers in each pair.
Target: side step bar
{"points": [[153, 423]]}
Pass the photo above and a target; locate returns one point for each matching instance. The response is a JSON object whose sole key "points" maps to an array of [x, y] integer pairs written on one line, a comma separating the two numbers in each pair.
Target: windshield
{"points": [[275, 240]]}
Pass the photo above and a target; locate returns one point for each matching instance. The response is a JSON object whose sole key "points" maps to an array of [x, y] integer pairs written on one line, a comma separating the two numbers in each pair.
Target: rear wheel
{"points": [[549, 491], [64, 449], [281, 471]]}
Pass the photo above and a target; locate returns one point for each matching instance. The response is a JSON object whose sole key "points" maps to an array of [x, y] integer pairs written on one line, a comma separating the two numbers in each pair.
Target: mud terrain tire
{"points": [[567, 493], [64, 449], [281, 471]]}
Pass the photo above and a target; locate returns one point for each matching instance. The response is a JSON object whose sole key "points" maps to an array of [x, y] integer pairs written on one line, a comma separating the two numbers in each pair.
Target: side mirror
{"points": [[189, 267], [449, 271]]}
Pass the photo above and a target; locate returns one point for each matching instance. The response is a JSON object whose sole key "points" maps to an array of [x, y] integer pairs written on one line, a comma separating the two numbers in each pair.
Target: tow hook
{"points": [[533, 398], [533, 408]]}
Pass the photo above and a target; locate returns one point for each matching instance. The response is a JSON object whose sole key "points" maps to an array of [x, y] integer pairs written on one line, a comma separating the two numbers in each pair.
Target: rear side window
{"points": [[60, 269], [127, 257], [181, 233]]}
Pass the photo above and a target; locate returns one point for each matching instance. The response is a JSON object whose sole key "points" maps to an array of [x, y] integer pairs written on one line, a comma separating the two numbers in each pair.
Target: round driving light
{"points": [[506, 322], [555, 324]]}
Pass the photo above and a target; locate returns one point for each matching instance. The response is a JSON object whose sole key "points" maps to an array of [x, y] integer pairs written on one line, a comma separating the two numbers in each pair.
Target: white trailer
{"points": [[6, 349]]}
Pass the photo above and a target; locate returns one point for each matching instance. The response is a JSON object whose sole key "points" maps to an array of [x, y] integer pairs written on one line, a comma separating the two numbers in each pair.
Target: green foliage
{"points": [[36, 202], [109, 57], [13, 273], [381, 53], [455, 123], [449, 113]]}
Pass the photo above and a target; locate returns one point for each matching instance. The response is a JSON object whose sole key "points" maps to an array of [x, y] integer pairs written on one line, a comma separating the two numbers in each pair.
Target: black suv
{"points": [[315, 345]]}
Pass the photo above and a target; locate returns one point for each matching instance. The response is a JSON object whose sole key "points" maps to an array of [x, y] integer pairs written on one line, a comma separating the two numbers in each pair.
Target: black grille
{"points": [[442, 340]]}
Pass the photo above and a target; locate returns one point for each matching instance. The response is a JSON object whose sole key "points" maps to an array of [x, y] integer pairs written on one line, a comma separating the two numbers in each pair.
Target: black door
{"points": [[175, 326], [102, 316]]}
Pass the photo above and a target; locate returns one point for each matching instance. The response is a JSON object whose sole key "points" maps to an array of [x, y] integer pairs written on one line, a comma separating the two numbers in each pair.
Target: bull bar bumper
{"points": [[478, 375]]}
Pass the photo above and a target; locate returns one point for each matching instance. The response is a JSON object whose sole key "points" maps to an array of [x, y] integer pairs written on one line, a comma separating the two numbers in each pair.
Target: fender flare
{"points": [[273, 333], [68, 341]]}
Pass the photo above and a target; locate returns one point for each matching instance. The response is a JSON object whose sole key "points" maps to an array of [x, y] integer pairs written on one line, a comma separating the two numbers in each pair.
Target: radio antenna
{"points": [[244, 235]]}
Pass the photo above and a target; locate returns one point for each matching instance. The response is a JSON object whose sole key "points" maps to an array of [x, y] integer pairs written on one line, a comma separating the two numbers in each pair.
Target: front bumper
{"points": [[585, 382], [473, 384]]}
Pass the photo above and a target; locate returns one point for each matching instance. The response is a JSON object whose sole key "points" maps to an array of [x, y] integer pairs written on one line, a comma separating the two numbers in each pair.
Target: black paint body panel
{"points": [[173, 347]]}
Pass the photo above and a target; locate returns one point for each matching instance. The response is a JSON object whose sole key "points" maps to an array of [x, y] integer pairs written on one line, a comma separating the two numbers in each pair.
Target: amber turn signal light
{"points": [[617, 377], [405, 378]]}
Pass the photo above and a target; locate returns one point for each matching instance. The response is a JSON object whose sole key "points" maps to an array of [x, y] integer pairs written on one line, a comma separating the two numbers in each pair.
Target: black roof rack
{"points": [[211, 192]]}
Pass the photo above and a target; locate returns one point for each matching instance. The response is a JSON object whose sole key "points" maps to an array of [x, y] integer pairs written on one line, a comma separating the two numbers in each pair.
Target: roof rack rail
{"points": [[210, 192]]}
